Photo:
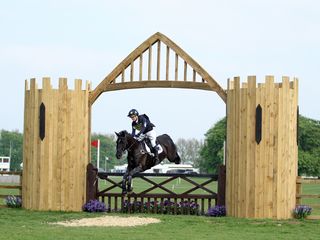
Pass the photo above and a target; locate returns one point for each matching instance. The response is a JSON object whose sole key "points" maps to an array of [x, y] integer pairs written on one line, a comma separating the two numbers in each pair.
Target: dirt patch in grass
{"points": [[109, 221]]}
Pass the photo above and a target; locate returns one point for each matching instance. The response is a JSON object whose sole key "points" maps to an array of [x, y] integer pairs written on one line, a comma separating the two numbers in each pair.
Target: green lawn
{"points": [[24, 224], [312, 189]]}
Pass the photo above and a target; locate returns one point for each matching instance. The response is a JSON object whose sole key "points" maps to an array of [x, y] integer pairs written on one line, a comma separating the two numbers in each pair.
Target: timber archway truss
{"points": [[148, 66]]}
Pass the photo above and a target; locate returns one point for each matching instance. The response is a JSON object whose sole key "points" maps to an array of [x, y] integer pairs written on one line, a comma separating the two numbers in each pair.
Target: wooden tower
{"points": [[55, 146], [262, 151]]}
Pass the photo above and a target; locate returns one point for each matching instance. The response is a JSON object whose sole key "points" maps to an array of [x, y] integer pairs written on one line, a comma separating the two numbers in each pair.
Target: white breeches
{"points": [[152, 135]]}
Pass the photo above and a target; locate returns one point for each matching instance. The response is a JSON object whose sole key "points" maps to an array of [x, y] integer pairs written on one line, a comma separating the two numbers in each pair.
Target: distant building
{"points": [[119, 168], [162, 168], [173, 168], [4, 164]]}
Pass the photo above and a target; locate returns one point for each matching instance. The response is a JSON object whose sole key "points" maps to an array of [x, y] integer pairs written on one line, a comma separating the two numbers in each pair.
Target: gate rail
{"points": [[149, 199]]}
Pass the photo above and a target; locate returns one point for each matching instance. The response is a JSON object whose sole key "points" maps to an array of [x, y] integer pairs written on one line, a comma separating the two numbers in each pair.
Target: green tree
{"points": [[308, 156], [11, 146], [309, 147], [212, 151], [188, 150]]}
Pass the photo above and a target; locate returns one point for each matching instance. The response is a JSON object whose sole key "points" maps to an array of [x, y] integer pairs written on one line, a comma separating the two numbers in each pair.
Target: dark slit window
{"points": [[258, 124], [42, 119]]}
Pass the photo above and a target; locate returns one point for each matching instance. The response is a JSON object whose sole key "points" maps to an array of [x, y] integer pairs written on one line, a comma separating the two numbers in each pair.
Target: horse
{"points": [[139, 159]]}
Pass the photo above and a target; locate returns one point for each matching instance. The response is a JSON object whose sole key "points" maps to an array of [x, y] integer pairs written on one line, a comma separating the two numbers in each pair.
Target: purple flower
{"points": [[302, 211], [94, 206], [13, 201], [217, 211]]}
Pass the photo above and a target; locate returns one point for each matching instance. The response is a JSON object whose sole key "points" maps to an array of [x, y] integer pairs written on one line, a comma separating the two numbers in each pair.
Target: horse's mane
{"points": [[123, 133]]}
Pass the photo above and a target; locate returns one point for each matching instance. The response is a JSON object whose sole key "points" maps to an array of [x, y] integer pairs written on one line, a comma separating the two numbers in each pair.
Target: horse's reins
{"points": [[134, 142]]}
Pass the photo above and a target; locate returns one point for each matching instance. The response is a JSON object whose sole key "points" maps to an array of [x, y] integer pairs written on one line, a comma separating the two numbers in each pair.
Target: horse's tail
{"points": [[172, 154]]}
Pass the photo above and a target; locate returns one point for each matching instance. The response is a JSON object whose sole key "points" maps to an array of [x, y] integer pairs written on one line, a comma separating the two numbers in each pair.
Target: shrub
{"points": [[94, 206], [217, 211], [301, 211], [13, 201]]}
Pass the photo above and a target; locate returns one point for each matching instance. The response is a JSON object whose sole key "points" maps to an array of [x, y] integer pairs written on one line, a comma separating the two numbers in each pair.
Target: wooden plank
{"points": [[11, 186], [276, 170], [158, 60], [308, 181], [68, 186], [293, 151], [185, 71], [43, 152], [251, 143], [131, 71], [194, 75], [150, 62], [140, 67], [243, 187], [167, 63], [270, 138], [76, 149], [229, 149], [258, 164], [62, 143], [123, 78], [285, 159], [35, 135], [280, 156], [48, 144], [159, 84], [25, 149], [237, 147], [176, 70]]}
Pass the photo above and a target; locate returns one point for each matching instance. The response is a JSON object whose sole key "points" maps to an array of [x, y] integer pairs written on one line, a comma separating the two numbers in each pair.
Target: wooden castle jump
{"points": [[55, 154], [262, 151]]}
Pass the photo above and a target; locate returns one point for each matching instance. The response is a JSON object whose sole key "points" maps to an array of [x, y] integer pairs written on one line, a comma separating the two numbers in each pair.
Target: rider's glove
{"points": [[140, 137]]}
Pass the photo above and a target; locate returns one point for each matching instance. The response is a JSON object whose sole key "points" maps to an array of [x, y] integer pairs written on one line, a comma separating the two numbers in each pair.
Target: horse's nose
{"points": [[118, 155]]}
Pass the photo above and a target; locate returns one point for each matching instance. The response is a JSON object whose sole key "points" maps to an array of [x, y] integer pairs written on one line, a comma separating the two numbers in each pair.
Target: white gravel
{"points": [[109, 221]]}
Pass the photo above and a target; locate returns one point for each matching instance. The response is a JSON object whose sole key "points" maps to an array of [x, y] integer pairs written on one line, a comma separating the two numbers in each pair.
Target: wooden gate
{"points": [[157, 193]]}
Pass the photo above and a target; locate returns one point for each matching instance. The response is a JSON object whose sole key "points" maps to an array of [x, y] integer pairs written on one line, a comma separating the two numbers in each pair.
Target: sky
{"points": [[88, 39]]}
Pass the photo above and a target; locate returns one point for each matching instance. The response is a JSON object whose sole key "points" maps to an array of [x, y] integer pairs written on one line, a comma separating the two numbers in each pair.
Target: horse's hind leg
{"points": [[177, 159], [174, 157]]}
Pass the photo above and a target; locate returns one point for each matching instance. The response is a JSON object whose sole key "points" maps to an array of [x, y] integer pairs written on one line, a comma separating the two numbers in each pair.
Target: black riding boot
{"points": [[156, 155]]}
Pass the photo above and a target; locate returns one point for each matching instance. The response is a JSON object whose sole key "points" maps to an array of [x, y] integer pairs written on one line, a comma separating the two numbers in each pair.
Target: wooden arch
{"points": [[141, 75]]}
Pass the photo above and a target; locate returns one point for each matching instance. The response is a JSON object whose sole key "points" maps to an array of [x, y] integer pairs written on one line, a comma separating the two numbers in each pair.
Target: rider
{"points": [[145, 128]]}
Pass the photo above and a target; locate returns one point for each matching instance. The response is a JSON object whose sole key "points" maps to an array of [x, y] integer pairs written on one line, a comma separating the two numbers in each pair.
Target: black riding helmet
{"points": [[133, 112]]}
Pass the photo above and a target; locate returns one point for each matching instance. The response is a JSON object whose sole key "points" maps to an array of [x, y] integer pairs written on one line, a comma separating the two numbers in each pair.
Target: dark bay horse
{"points": [[139, 159]]}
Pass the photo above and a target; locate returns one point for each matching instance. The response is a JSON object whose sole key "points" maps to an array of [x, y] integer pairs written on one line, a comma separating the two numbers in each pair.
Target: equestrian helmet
{"points": [[133, 112]]}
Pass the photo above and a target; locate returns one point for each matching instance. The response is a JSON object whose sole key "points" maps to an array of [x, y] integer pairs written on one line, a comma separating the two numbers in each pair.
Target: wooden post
{"points": [[92, 182], [222, 186], [298, 190]]}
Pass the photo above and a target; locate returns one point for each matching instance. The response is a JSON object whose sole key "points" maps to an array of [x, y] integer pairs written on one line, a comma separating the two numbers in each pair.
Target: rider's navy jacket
{"points": [[143, 125]]}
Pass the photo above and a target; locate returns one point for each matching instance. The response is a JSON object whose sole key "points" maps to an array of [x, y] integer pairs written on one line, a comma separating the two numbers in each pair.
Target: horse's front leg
{"points": [[131, 173], [124, 181]]}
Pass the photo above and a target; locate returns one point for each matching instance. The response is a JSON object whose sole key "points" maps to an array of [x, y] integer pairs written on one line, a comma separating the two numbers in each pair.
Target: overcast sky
{"points": [[87, 39]]}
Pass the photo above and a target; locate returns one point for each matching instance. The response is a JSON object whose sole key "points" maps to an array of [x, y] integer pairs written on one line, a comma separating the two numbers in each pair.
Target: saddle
{"points": [[147, 145]]}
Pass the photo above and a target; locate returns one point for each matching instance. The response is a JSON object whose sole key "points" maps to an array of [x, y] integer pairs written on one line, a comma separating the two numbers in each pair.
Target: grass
{"points": [[24, 224], [312, 189]]}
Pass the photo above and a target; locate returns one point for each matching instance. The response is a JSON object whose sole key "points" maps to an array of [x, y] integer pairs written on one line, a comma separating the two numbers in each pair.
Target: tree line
{"points": [[206, 155]]}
